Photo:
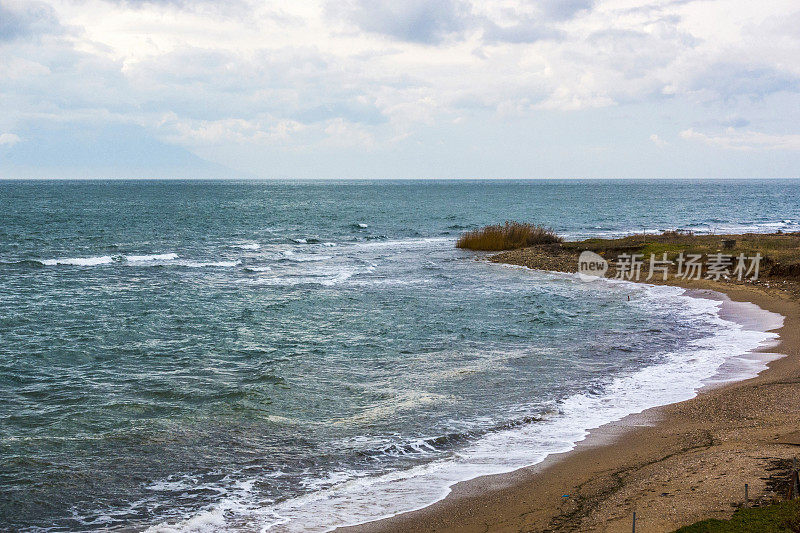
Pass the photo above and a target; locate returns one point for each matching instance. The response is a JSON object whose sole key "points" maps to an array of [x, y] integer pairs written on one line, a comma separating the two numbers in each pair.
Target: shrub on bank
{"points": [[508, 236]]}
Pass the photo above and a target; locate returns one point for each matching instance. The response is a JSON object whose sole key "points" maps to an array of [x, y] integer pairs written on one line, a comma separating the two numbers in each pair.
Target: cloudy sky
{"points": [[399, 88]]}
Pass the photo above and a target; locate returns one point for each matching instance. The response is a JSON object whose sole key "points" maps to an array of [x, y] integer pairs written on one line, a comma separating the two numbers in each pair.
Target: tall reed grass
{"points": [[508, 236]]}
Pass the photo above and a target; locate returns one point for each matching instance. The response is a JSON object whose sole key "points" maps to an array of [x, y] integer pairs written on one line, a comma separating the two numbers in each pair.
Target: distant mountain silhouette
{"points": [[120, 151]]}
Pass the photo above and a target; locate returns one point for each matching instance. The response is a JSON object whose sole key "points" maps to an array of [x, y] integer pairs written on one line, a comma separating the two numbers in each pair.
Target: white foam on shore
{"points": [[679, 376]]}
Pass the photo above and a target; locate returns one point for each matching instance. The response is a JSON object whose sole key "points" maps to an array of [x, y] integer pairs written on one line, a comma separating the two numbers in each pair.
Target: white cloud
{"points": [[9, 139], [658, 141], [732, 139], [418, 21], [227, 131], [572, 55], [26, 19], [307, 74], [341, 133]]}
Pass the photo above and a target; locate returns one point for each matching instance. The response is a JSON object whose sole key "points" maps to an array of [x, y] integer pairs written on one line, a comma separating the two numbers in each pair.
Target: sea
{"points": [[296, 356]]}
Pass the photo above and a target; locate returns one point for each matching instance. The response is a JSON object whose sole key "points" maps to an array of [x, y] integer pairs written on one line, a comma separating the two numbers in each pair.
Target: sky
{"points": [[399, 89]]}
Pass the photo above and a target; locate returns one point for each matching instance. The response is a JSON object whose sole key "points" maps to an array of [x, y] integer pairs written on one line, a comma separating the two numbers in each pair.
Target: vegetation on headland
{"points": [[508, 236], [780, 252], [781, 517], [779, 269]]}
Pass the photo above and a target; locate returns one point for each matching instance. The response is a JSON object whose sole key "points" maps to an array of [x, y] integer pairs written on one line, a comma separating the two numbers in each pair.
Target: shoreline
{"points": [[610, 473]]}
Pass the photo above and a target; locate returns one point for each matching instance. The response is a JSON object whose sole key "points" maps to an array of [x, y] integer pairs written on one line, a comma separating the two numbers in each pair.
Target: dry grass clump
{"points": [[508, 236], [677, 233]]}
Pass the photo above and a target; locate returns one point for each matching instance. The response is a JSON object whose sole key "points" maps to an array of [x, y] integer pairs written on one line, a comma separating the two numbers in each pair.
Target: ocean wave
{"points": [[289, 255], [676, 379], [31, 263], [348, 499], [151, 257], [247, 246], [257, 269], [207, 264], [163, 259], [405, 244], [79, 261], [705, 227], [322, 280], [108, 259], [402, 401], [427, 445]]}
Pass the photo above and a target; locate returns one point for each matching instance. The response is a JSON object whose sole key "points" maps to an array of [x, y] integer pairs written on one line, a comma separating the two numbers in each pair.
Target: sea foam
{"points": [[79, 261], [346, 498], [163, 259], [152, 257]]}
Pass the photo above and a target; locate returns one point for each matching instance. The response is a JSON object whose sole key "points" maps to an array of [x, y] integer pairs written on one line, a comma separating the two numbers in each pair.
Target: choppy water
{"points": [[214, 355]]}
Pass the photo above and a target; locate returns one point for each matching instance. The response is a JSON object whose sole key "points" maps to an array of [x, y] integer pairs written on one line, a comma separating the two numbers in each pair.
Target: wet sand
{"points": [[672, 465]]}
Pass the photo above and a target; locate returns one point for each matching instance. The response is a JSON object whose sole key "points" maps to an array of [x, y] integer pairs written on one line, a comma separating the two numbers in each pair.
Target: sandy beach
{"points": [[672, 465]]}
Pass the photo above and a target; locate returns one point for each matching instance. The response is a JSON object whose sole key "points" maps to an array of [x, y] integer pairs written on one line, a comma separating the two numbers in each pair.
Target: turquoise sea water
{"points": [[222, 355]]}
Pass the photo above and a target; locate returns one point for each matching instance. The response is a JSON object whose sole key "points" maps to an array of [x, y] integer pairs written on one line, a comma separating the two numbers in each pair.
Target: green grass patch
{"points": [[781, 517]]}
